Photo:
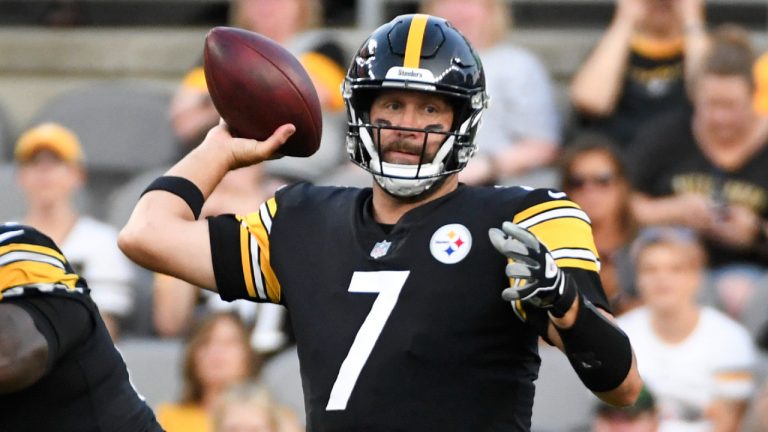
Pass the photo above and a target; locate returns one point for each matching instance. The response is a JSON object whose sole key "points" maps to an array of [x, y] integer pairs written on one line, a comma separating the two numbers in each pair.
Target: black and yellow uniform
{"points": [[402, 327], [85, 387]]}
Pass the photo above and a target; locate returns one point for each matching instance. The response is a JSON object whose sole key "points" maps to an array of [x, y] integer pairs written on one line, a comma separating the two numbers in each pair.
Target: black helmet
{"points": [[421, 53]]}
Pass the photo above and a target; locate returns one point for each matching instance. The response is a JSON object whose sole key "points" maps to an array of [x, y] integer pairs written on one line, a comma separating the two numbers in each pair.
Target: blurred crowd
{"points": [[663, 142]]}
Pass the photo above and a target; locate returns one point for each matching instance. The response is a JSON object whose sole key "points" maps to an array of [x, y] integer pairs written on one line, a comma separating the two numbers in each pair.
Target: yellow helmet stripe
{"points": [[415, 41]]}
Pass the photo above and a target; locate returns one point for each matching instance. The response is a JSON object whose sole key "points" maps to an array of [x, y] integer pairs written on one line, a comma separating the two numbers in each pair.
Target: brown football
{"points": [[257, 86]]}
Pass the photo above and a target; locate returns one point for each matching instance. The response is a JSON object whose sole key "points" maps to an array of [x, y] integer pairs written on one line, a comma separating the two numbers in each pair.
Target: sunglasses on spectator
{"points": [[599, 180]]}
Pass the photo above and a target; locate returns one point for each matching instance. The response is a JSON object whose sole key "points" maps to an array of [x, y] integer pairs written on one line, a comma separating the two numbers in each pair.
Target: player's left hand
{"points": [[536, 279]]}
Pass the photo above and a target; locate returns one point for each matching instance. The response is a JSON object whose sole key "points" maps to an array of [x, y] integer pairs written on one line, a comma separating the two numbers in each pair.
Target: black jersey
{"points": [[402, 328], [85, 387]]}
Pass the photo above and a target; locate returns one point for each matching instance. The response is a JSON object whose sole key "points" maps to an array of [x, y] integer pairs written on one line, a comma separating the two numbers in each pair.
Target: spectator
{"points": [[521, 127], [249, 407], [695, 360], [50, 174], [217, 356], [707, 171], [640, 66], [594, 177], [643, 416]]}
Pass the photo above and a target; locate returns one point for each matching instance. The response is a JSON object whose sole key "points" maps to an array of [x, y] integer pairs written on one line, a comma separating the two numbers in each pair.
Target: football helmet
{"points": [[419, 53]]}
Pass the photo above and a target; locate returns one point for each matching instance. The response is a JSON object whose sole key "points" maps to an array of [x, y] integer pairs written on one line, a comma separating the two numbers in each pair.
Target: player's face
{"points": [[592, 181], [409, 109], [46, 179], [222, 358], [668, 276], [723, 108]]}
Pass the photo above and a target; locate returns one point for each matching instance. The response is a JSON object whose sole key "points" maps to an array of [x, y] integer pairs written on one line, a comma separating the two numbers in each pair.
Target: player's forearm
{"points": [[597, 85], [599, 352]]}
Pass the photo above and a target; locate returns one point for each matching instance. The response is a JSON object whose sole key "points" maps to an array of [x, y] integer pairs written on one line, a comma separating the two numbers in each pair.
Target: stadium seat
{"points": [[154, 366], [7, 135], [10, 196], [123, 126], [122, 200]]}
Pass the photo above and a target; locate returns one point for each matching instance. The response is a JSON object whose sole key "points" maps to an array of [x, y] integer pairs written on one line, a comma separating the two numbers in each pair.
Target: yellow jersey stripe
{"points": [[272, 206], [15, 247], [245, 260], [21, 273], [272, 284], [570, 241], [415, 41], [540, 208]]}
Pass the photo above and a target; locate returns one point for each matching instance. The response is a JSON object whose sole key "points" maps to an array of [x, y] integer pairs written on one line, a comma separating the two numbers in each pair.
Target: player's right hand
{"points": [[244, 152]]}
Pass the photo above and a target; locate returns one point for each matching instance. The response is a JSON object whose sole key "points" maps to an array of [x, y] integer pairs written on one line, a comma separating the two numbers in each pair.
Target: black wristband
{"points": [[563, 304], [182, 188], [598, 350]]}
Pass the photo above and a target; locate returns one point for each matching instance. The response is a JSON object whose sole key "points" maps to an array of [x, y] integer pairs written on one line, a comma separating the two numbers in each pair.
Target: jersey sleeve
{"points": [[241, 255], [65, 323], [565, 229], [562, 226]]}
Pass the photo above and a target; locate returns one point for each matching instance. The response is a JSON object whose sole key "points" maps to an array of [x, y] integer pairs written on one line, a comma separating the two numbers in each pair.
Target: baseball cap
{"points": [[645, 403], [49, 136]]}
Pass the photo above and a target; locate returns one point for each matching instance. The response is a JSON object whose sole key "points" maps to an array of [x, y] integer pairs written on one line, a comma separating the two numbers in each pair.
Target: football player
{"points": [[59, 370], [393, 291]]}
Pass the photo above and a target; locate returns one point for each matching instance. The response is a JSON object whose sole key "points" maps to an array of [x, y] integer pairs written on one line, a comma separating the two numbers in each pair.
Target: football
{"points": [[257, 85]]}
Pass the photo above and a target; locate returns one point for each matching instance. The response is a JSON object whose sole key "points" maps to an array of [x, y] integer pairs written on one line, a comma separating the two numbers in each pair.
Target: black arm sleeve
{"points": [[226, 254]]}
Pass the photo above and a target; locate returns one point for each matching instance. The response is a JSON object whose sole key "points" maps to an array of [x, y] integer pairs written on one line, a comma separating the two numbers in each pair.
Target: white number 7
{"points": [[387, 284]]}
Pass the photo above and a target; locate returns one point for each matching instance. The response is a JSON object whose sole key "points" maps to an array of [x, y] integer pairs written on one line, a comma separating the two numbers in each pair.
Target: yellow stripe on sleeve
{"points": [[272, 206], [245, 260], [21, 273], [18, 247], [570, 241], [415, 41], [272, 284], [540, 208]]}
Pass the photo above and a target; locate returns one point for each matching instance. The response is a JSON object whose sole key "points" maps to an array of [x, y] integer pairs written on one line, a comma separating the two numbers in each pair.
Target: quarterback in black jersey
{"points": [[59, 370], [416, 303]]}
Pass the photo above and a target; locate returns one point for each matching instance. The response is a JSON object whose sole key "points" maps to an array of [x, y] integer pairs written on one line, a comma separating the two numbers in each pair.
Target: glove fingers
{"points": [[518, 270], [520, 234], [508, 246], [510, 294]]}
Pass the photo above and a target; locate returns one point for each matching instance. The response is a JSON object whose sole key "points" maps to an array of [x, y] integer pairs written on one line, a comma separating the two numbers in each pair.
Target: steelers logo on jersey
{"points": [[450, 243]]}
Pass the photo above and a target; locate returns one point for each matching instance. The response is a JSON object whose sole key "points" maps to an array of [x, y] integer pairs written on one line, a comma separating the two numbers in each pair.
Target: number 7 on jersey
{"points": [[387, 284]]}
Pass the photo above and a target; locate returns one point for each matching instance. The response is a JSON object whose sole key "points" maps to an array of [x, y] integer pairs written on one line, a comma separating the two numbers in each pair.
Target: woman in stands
{"points": [[595, 178], [217, 356]]}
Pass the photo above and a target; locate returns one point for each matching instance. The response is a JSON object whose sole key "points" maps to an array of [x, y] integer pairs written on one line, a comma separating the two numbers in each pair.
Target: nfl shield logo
{"points": [[380, 249]]}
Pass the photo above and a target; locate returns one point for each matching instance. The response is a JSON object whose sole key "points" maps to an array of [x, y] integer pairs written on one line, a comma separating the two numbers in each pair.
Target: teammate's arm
{"points": [[23, 350], [162, 233], [598, 350]]}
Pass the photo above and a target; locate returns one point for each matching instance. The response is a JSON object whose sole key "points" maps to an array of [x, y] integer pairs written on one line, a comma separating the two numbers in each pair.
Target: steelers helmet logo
{"points": [[450, 243]]}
